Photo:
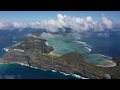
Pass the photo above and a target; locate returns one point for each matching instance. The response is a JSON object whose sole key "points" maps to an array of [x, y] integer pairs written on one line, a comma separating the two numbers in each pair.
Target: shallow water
{"points": [[63, 45], [16, 71]]}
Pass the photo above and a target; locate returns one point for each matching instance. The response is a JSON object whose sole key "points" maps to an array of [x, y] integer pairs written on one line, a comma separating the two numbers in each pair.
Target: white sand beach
{"points": [[51, 53]]}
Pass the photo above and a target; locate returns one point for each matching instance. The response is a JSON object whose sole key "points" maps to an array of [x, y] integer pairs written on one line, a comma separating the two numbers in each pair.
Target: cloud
{"points": [[19, 25], [62, 22], [60, 16], [106, 22], [6, 26], [29, 35], [47, 35]]}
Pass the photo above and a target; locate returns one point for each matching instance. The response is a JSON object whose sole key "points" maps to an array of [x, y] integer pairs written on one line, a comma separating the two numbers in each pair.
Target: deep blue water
{"points": [[109, 46], [16, 71], [99, 45]]}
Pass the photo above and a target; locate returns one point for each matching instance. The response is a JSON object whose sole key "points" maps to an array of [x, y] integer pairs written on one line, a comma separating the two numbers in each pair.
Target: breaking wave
{"points": [[88, 47], [105, 56]]}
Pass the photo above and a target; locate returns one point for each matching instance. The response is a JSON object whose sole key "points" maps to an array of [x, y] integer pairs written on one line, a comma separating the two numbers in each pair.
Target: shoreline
{"points": [[105, 58], [52, 70], [16, 43], [101, 55], [107, 65], [113, 64], [6, 49], [51, 53], [58, 66]]}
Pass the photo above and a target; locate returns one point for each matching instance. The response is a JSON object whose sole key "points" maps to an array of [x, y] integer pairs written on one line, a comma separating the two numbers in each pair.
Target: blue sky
{"points": [[28, 16]]}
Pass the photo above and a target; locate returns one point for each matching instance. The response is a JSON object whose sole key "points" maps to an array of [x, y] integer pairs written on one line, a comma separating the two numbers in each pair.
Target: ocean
{"points": [[107, 47], [17, 71]]}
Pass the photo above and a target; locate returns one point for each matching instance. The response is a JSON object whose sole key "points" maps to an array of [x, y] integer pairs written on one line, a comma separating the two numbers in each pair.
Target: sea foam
{"points": [[74, 75], [84, 43], [106, 56], [89, 49], [6, 49], [81, 42], [78, 76], [53, 70], [64, 73]]}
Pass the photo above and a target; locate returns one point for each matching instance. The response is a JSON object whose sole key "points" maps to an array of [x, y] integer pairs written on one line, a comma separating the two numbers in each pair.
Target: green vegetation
{"points": [[33, 44], [37, 54]]}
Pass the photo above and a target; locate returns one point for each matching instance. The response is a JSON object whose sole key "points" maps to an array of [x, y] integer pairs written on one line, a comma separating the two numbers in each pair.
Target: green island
{"points": [[35, 52]]}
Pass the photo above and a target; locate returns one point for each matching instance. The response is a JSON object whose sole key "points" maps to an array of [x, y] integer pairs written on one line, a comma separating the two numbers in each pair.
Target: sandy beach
{"points": [[51, 53], [107, 65], [111, 62]]}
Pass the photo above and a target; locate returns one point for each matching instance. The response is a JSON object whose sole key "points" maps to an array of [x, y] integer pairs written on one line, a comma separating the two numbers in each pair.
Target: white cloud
{"points": [[89, 19], [6, 26], [59, 16], [46, 35], [19, 25], [75, 23], [106, 22], [29, 35]]}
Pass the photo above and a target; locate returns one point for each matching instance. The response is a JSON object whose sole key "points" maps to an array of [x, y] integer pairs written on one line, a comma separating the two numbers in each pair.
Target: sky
{"points": [[32, 16], [52, 21]]}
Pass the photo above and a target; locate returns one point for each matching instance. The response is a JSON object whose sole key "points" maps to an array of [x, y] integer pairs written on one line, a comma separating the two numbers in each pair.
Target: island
{"points": [[35, 52]]}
